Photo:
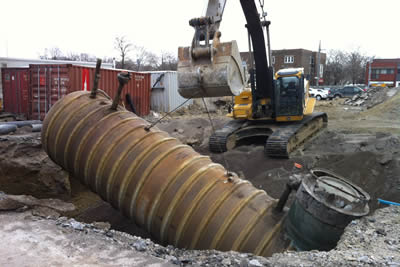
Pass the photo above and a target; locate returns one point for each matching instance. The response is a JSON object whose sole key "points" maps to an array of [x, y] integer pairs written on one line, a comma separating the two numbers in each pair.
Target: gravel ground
{"points": [[44, 239]]}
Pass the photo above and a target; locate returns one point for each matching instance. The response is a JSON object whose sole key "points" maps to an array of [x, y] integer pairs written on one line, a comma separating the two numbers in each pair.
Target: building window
{"points": [[273, 60], [382, 71], [289, 59], [311, 60]]}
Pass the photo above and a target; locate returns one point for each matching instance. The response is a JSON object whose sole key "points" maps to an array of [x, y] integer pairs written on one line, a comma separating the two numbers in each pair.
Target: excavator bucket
{"points": [[220, 74]]}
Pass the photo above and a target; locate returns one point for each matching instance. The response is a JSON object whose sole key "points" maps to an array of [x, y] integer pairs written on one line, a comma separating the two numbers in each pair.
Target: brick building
{"points": [[295, 58], [383, 71]]}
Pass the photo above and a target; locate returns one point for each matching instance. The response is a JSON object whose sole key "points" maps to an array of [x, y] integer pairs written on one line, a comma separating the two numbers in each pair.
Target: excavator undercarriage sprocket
{"points": [[282, 138]]}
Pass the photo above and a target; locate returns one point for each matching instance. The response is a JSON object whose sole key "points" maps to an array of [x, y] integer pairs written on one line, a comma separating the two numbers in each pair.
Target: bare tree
{"points": [[51, 53], [345, 67], [55, 53], [73, 56], [123, 46], [356, 63], [334, 70], [140, 56], [168, 61], [144, 59]]}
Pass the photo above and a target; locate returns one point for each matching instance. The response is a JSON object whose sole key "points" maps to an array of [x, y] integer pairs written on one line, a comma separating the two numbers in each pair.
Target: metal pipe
{"points": [[20, 124], [36, 128], [179, 196], [96, 79], [123, 78], [7, 128]]}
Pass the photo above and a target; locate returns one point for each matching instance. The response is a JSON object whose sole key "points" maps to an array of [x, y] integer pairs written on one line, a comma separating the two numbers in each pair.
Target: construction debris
{"points": [[372, 97]]}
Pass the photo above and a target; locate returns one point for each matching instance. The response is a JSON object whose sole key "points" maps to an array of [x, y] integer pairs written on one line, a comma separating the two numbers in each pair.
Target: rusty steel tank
{"points": [[181, 197]]}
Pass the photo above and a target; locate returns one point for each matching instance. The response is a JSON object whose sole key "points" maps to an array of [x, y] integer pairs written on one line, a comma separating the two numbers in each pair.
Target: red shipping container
{"points": [[16, 90], [51, 82]]}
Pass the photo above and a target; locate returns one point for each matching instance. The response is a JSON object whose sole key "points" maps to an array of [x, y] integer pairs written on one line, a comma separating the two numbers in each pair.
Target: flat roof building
{"points": [[296, 58], [384, 70]]}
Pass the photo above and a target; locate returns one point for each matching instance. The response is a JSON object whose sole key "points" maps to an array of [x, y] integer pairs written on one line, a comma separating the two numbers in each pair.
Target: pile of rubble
{"points": [[372, 97]]}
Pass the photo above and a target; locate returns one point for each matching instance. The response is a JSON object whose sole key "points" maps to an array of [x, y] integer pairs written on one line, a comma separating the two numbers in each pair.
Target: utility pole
{"points": [[318, 62]]}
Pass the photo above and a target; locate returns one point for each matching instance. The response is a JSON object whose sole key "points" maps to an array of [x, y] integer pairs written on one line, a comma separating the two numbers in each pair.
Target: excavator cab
{"points": [[289, 94]]}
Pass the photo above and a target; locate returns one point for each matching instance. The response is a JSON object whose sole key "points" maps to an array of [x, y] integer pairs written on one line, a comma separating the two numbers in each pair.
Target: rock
{"points": [[192, 141], [102, 225], [226, 262], [359, 102], [7, 204], [254, 263], [244, 263], [45, 212], [381, 232], [386, 159], [374, 172], [363, 259], [380, 145], [140, 245], [76, 225]]}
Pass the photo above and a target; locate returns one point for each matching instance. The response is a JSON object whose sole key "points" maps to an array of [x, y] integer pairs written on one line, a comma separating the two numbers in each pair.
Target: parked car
{"points": [[318, 93], [347, 91]]}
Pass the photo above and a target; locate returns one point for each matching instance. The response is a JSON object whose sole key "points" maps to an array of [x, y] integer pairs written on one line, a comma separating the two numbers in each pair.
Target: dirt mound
{"points": [[194, 131], [26, 169], [388, 110]]}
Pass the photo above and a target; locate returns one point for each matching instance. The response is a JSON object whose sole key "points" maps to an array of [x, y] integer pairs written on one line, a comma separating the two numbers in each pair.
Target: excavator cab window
{"points": [[287, 85], [288, 96]]}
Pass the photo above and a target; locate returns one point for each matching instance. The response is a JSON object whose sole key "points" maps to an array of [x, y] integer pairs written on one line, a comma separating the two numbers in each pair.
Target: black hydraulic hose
{"points": [[130, 102]]}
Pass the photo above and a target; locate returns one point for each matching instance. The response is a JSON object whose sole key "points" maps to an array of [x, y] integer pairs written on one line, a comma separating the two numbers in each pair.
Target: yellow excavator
{"points": [[277, 108]]}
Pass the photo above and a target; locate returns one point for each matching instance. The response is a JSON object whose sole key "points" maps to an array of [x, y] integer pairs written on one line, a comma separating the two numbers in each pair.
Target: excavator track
{"points": [[224, 139], [282, 138], [289, 137]]}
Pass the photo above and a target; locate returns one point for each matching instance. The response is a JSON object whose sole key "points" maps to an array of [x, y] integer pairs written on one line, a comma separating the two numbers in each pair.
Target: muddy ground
{"points": [[362, 145]]}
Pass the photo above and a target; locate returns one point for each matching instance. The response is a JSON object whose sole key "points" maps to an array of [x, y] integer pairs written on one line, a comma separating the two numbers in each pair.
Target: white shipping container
{"points": [[164, 91]]}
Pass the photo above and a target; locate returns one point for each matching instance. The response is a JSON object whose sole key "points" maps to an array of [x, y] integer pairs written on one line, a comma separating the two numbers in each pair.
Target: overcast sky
{"points": [[86, 26]]}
